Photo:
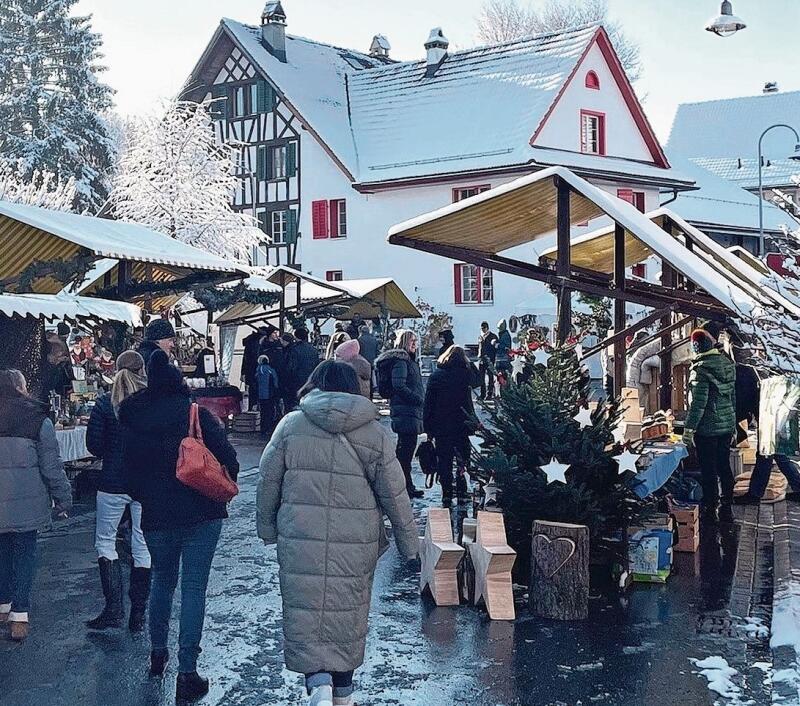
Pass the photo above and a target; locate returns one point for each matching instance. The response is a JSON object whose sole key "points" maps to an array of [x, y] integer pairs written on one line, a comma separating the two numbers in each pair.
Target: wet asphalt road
{"points": [[632, 651]]}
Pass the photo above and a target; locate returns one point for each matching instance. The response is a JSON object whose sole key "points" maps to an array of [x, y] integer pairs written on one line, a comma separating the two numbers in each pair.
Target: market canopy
{"points": [[145, 261], [63, 306]]}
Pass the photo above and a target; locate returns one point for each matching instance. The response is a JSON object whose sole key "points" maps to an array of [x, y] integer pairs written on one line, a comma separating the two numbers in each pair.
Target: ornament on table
{"points": [[555, 470]]}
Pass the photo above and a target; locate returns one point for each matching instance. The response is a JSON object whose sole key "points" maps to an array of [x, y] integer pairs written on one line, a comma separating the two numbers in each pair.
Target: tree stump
{"points": [[559, 586]]}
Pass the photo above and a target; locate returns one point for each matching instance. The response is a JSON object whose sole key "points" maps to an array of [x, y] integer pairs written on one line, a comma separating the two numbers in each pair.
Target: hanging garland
{"points": [[65, 272], [220, 298]]}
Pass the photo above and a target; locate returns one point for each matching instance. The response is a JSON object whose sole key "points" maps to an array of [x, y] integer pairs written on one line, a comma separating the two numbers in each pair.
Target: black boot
{"points": [[191, 687], [139, 592], [158, 662], [462, 490], [111, 581]]}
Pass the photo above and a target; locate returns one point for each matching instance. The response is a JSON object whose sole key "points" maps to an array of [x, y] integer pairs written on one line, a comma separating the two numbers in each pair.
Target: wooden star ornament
{"points": [[584, 417], [440, 557], [555, 470], [627, 461]]}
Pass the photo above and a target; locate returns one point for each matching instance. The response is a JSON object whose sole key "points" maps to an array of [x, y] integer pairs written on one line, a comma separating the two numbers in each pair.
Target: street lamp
{"points": [[725, 23], [795, 156]]}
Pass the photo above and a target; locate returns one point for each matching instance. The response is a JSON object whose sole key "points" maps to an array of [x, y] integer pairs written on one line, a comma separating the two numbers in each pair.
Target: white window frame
{"points": [[592, 133], [487, 285], [279, 221], [341, 208], [470, 293], [280, 161]]}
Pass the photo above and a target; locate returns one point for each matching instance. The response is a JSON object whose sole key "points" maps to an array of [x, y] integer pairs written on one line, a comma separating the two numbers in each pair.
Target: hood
{"points": [[395, 353], [716, 366], [347, 350], [337, 412]]}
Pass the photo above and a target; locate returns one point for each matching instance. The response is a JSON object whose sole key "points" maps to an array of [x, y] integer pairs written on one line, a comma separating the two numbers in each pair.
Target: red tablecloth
{"points": [[216, 401]]}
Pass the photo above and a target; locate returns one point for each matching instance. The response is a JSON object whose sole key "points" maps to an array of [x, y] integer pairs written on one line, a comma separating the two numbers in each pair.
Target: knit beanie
{"points": [[702, 341], [162, 376], [130, 360], [712, 328], [159, 329], [347, 350]]}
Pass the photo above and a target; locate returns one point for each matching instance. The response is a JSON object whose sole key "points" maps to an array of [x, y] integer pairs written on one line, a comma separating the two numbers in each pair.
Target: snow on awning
{"points": [[64, 306], [30, 233]]}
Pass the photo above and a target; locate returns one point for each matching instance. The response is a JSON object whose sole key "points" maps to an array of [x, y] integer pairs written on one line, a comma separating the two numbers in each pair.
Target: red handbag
{"points": [[199, 469]]}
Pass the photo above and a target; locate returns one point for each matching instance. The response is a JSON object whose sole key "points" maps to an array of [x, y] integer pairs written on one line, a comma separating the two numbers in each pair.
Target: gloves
{"points": [[688, 438]]}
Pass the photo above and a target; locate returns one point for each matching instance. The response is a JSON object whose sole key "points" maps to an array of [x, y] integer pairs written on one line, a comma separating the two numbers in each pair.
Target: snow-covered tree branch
{"points": [[174, 177], [40, 189]]}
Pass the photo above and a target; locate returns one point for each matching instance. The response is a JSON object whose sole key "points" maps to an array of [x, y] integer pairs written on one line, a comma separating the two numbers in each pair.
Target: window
{"points": [[280, 226], [465, 192], [473, 284], [280, 221], [592, 81], [593, 132], [253, 98], [276, 161], [635, 198], [329, 218], [639, 270], [333, 276]]}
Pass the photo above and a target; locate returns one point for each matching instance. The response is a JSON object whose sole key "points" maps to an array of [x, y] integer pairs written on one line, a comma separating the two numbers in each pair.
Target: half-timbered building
{"points": [[338, 145]]}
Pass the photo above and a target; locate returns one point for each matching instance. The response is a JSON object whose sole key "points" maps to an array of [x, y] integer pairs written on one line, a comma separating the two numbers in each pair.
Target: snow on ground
{"points": [[720, 677], [786, 633]]}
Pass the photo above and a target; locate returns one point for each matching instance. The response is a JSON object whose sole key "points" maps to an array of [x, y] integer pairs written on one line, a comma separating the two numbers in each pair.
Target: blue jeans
{"points": [[17, 568], [193, 549], [342, 682], [760, 477]]}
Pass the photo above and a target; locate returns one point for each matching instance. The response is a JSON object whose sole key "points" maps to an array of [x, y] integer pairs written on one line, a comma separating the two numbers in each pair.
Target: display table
{"points": [[666, 459], [72, 444], [220, 401]]}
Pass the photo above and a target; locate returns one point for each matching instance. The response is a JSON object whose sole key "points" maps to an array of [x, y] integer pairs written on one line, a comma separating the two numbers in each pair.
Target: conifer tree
{"points": [[51, 98]]}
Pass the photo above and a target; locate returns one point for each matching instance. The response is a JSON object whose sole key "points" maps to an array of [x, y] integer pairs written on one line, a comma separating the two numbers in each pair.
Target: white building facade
{"points": [[342, 145]]}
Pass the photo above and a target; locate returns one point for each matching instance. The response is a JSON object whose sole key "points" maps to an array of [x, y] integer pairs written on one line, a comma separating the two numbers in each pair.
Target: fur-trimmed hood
{"points": [[394, 354]]}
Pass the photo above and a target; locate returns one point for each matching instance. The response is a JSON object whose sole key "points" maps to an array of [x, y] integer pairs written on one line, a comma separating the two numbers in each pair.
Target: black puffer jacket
{"points": [[104, 440], [301, 359], [146, 349], [153, 426], [449, 411], [408, 392]]}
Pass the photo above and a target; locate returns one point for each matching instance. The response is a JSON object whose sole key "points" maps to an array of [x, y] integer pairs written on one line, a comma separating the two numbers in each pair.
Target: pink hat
{"points": [[347, 350]]}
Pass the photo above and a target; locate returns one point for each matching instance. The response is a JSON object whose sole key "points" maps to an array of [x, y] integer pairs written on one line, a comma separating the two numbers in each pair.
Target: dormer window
{"points": [[593, 132], [592, 81]]}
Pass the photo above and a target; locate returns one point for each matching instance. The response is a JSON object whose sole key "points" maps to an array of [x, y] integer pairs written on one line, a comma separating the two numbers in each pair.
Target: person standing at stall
{"points": [[158, 335], [104, 440], [487, 351], [369, 349], [400, 380], [329, 541], [449, 419], [711, 421], [32, 480], [301, 359], [268, 395], [252, 349], [503, 354], [181, 526]]}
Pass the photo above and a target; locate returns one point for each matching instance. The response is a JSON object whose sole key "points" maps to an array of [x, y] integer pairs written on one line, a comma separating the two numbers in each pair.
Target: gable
{"points": [[628, 132]]}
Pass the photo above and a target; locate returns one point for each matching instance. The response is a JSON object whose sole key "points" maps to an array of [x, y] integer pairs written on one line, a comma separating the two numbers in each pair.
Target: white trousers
{"points": [[110, 507]]}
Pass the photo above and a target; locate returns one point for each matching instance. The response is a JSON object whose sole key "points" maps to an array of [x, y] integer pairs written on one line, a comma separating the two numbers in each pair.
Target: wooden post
{"points": [[559, 571], [619, 308], [282, 310], [123, 278], [563, 268], [665, 356]]}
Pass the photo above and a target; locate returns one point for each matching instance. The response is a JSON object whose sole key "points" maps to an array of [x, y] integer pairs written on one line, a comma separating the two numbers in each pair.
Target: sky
{"points": [[152, 45]]}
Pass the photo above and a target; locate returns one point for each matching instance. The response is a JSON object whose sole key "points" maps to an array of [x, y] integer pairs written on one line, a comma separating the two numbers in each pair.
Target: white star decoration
{"points": [[541, 356], [584, 417], [627, 461], [517, 367], [555, 470]]}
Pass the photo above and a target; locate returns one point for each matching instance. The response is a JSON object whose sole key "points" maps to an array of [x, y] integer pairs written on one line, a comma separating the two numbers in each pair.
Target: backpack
{"points": [[383, 370]]}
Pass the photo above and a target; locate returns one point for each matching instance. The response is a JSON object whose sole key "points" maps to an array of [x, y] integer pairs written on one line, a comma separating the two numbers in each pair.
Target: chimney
{"points": [[436, 47], [380, 46], [273, 29], [771, 87]]}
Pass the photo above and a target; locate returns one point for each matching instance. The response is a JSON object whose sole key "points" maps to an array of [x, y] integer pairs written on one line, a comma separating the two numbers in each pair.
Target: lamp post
{"points": [[725, 24], [795, 157]]}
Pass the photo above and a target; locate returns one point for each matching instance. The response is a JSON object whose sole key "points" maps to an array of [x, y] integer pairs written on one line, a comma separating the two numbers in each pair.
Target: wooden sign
{"points": [[440, 557], [559, 571], [493, 560]]}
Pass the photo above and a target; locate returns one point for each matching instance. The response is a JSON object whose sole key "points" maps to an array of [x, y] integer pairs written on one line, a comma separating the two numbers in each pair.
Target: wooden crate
{"points": [[688, 520], [246, 422]]}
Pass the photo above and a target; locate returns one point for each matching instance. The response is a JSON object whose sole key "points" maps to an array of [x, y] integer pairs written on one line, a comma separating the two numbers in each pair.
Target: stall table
{"points": [[220, 401], [72, 443], [667, 458]]}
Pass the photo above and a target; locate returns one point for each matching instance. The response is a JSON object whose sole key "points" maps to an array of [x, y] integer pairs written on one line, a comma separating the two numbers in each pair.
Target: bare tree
{"points": [[506, 20]]}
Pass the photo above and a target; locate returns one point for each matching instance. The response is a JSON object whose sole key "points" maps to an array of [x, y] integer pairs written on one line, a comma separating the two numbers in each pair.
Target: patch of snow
{"points": [[719, 675]]}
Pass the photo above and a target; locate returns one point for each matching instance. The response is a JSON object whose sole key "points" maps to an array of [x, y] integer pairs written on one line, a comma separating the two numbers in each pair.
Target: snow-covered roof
{"points": [[387, 121], [522, 211], [731, 127], [65, 306], [744, 172], [105, 238], [719, 204]]}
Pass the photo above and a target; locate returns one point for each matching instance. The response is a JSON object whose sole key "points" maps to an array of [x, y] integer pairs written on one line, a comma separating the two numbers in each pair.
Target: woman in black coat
{"points": [[449, 418], [180, 525]]}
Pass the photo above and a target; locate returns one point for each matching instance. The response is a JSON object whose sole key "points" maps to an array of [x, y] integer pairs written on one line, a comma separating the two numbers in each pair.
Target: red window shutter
{"points": [[639, 270], [602, 128], [626, 195], [457, 283], [319, 219], [638, 200], [334, 218]]}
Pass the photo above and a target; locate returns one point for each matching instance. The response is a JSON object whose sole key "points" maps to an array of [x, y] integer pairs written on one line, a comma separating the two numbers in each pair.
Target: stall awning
{"points": [[63, 306], [29, 234]]}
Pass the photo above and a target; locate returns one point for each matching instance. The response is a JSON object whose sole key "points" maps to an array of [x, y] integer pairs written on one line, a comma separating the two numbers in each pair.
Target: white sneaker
{"points": [[321, 696]]}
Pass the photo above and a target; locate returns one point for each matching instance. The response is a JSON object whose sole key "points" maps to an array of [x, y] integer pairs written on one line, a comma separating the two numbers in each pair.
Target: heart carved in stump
{"points": [[552, 554]]}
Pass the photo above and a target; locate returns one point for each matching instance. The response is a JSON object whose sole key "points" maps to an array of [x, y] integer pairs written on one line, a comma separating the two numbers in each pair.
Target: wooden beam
{"points": [[621, 335], [282, 304], [619, 308], [563, 269], [668, 277], [660, 333]]}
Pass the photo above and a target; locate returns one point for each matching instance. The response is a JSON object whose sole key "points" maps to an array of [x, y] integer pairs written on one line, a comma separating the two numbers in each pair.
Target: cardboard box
{"points": [[687, 518], [748, 456], [650, 550]]}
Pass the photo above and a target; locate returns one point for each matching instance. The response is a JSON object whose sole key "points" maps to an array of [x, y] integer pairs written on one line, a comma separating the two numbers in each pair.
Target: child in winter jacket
{"points": [[268, 394]]}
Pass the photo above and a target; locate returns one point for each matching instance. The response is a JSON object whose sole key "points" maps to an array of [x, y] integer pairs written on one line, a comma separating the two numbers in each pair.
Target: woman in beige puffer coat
{"points": [[328, 476]]}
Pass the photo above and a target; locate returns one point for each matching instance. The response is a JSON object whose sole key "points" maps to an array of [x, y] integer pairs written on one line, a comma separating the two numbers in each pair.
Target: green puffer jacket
{"points": [[712, 382]]}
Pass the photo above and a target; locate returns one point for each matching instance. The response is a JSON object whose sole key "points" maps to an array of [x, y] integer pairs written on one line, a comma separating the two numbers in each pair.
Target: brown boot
{"points": [[19, 631]]}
